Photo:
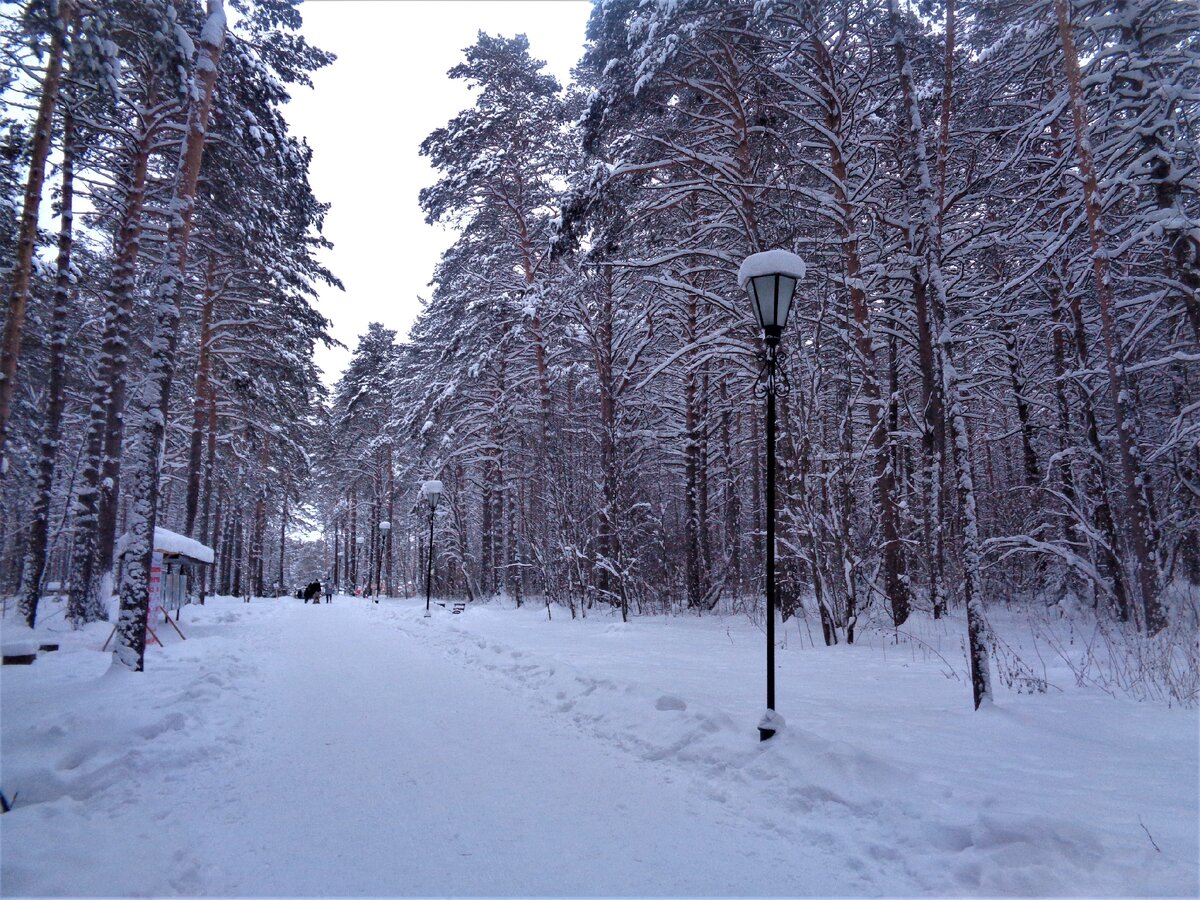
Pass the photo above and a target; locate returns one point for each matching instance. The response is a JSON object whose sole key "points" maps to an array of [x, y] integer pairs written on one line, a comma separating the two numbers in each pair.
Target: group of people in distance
{"points": [[314, 591]]}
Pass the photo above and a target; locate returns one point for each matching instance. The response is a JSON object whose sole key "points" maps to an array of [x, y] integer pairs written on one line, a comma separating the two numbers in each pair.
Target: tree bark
{"points": [[35, 554], [258, 537], [108, 396], [352, 542], [210, 463], [1143, 559], [151, 405], [200, 403], [929, 251], [691, 452], [391, 517], [283, 523], [18, 296], [895, 578]]}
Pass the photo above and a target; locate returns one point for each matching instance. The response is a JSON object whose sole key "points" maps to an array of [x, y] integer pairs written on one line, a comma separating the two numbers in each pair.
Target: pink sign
{"points": [[155, 587]]}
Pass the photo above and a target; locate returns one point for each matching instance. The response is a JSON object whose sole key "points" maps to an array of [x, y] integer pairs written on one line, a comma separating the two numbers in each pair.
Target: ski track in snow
{"points": [[362, 749]]}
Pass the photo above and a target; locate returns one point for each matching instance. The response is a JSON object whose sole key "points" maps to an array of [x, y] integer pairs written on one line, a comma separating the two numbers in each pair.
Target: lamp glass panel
{"points": [[764, 299], [787, 289], [752, 289]]}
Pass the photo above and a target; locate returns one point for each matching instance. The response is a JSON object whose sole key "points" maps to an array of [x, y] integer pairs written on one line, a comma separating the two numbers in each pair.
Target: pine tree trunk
{"points": [[108, 396], [337, 547], [352, 542], [894, 567], [702, 477], [389, 540], [607, 537], [928, 235], [691, 453], [933, 438], [236, 556], [214, 539], [18, 296], [35, 554], [258, 545], [210, 462], [1074, 337], [258, 537], [729, 498], [283, 523], [1058, 349], [1033, 474], [1138, 531], [1182, 244], [200, 403], [145, 454], [943, 148]]}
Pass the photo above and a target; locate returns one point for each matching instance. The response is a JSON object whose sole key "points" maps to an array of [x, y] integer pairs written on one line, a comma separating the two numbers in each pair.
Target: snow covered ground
{"points": [[361, 749]]}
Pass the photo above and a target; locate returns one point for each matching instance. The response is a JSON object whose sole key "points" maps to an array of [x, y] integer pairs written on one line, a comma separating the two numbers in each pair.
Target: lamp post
{"points": [[359, 540], [431, 493], [385, 529], [770, 279]]}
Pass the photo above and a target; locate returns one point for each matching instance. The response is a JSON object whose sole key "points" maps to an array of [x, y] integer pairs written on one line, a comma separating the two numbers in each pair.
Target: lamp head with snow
{"points": [[385, 526], [770, 279], [431, 493]]}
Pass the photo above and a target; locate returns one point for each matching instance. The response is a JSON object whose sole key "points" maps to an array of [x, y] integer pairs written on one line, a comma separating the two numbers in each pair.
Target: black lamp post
{"points": [[359, 540], [770, 278], [431, 492], [385, 529]]}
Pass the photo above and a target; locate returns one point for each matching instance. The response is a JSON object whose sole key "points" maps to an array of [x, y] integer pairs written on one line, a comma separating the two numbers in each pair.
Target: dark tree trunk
{"points": [[894, 566], [1138, 531], [693, 564], [18, 296], [130, 647], [928, 235], [237, 555], [35, 554], [108, 396], [201, 403]]}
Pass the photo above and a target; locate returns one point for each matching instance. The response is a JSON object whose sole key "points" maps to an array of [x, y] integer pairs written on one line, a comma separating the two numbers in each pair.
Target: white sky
{"points": [[366, 119]]}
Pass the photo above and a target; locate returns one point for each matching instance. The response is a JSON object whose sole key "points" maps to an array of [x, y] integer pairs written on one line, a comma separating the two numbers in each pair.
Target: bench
{"points": [[458, 608]]}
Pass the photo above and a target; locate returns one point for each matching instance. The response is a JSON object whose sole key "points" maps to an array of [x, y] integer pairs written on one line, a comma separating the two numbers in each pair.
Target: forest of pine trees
{"points": [[160, 371], [993, 361]]}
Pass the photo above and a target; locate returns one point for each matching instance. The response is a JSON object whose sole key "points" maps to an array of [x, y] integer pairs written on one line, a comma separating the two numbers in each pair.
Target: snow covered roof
{"points": [[770, 262], [169, 542]]}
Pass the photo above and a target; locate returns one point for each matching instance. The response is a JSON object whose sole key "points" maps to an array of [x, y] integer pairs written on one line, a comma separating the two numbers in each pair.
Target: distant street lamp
{"points": [[431, 493], [384, 528], [358, 542], [770, 279]]}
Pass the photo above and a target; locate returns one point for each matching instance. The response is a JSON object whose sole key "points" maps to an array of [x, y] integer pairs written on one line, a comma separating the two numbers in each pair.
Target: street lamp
{"points": [[358, 542], [770, 279], [431, 493], [384, 528]]}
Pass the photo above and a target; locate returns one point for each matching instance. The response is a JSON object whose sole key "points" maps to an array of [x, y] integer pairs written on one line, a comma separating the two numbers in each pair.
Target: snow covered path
{"points": [[377, 767], [361, 749], [345, 758]]}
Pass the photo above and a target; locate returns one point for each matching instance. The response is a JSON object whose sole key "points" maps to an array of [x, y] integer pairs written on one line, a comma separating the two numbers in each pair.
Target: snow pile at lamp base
{"points": [[772, 721]]}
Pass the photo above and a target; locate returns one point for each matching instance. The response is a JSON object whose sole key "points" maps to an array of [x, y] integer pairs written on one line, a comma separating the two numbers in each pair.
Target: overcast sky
{"points": [[366, 119]]}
